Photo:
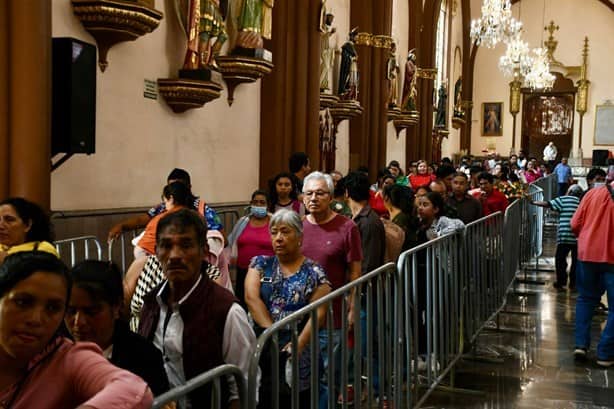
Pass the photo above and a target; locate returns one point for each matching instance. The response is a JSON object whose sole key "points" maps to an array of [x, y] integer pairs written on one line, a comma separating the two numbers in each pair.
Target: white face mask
{"points": [[598, 184]]}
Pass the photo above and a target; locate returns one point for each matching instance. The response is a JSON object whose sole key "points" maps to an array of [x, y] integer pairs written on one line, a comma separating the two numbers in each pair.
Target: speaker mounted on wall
{"points": [[73, 121], [600, 157]]}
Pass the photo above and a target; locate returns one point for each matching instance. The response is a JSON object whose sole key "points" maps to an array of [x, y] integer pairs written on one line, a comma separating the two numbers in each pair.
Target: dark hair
{"points": [[444, 171], [297, 161], [41, 228], [512, 177], [19, 266], [425, 187], [487, 176], [357, 186], [446, 160], [339, 188], [272, 198], [461, 175], [102, 280], [182, 220], [364, 169], [180, 175], [394, 163], [594, 172], [260, 193], [182, 196], [401, 197], [437, 200]]}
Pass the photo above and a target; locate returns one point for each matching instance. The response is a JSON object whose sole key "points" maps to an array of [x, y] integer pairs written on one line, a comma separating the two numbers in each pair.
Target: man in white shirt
{"points": [[550, 153], [197, 324]]}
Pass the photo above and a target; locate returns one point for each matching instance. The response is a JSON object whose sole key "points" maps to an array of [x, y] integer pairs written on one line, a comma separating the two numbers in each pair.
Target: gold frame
{"points": [[609, 105], [483, 116]]}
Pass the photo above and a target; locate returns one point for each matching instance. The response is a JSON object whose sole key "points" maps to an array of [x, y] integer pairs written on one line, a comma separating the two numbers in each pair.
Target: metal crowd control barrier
{"points": [[372, 302], [80, 249], [212, 376]]}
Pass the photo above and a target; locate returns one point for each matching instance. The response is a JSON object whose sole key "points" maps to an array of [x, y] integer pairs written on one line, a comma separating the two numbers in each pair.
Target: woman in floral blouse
{"points": [[276, 286]]}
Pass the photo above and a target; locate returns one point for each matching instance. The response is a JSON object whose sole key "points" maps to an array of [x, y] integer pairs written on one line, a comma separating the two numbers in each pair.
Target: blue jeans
{"points": [[592, 280], [324, 392]]}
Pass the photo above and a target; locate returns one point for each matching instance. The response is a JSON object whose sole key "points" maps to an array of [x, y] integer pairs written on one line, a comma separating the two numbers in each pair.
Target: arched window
{"points": [[441, 46]]}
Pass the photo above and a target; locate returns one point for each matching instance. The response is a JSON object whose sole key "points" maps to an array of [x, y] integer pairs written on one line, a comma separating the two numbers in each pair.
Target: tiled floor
{"points": [[538, 369]]}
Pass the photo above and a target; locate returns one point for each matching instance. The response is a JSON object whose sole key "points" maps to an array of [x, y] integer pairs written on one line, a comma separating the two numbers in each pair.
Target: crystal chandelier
{"points": [[539, 77], [516, 57], [496, 24]]}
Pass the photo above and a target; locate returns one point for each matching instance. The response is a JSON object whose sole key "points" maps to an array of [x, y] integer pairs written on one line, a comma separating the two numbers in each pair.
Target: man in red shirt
{"points": [[491, 199]]}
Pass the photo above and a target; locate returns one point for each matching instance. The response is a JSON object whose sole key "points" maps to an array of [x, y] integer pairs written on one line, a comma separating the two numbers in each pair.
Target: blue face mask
{"points": [[258, 212]]}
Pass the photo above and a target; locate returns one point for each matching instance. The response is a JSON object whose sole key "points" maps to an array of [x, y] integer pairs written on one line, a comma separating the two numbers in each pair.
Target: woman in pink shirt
{"points": [[250, 238], [39, 367]]}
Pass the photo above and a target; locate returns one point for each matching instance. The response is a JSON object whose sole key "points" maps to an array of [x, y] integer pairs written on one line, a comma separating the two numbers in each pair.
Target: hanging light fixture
{"points": [[517, 57], [539, 77], [495, 25]]}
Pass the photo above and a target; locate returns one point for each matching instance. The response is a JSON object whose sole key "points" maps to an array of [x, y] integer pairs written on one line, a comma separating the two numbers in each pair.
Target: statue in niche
{"points": [[458, 107], [392, 74], [348, 72], [249, 22], [327, 54], [409, 86], [442, 101], [203, 23]]}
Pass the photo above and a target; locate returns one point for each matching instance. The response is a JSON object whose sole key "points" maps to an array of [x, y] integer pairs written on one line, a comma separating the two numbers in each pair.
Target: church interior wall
{"points": [[576, 19], [139, 140]]}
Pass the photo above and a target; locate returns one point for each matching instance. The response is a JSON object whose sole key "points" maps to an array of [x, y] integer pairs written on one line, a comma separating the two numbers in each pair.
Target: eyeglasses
{"points": [[318, 193]]}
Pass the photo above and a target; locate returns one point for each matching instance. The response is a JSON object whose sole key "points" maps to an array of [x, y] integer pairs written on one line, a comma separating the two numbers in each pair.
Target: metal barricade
{"points": [[485, 285], [212, 376], [229, 218], [372, 354], [79, 249], [429, 311], [120, 250], [549, 186]]}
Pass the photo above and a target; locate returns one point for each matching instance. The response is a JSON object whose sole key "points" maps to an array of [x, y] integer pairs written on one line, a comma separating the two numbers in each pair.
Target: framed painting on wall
{"points": [[604, 124], [492, 119]]}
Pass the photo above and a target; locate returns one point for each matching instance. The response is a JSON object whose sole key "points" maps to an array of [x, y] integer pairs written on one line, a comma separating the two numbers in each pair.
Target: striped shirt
{"points": [[566, 206]]}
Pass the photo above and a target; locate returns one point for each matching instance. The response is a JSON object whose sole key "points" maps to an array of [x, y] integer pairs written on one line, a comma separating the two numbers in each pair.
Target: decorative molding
{"points": [[467, 104], [427, 73], [183, 94], [382, 41], [345, 110], [237, 70], [111, 22], [328, 100], [365, 39]]}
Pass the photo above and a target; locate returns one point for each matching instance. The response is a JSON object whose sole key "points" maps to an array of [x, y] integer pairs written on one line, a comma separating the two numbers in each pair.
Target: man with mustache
{"points": [[196, 323]]}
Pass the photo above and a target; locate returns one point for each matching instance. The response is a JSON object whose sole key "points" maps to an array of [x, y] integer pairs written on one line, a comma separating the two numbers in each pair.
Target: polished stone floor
{"points": [[532, 366]]}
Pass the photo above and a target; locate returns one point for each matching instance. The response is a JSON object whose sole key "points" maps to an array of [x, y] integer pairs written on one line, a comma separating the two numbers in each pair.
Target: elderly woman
{"points": [[24, 226], [279, 285], [40, 368], [93, 315]]}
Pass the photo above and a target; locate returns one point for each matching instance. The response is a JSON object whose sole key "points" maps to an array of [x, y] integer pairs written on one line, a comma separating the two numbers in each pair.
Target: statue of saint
{"points": [[458, 89], [203, 23], [440, 119], [392, 74], [327, 54], [409, 86], [348, 72], [249, 22]]}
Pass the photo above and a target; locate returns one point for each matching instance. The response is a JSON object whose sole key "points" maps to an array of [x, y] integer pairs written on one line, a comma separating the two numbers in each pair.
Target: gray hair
{"points": [[320, 176], [289, 218]]}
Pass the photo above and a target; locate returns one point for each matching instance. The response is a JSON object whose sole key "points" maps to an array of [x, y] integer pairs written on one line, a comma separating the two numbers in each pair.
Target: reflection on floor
{"points": [[537, 369]]}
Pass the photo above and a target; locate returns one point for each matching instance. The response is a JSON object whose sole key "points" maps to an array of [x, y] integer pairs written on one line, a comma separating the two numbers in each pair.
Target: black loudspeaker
{"points": [[600, 157], [73, 120]]}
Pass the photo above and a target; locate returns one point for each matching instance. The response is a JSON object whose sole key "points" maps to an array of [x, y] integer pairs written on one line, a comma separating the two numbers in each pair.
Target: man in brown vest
{"points": [[196, 323]]}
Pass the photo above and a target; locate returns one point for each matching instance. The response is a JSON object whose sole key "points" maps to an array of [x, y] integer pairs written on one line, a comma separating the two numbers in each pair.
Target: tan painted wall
{"points": [[576, 19], [138, 140]]}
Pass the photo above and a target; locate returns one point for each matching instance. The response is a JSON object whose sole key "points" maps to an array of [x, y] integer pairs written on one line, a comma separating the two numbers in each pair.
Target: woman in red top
{"points": [[250, 238], [376, 199], [422, 178]]}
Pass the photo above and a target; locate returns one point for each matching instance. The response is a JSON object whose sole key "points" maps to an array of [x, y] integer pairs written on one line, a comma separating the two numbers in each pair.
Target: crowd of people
{"points": [[196, 298]]}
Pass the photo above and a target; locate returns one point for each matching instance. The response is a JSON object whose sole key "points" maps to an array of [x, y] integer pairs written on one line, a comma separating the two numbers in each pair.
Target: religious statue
{"points": [[348, 72], [392, 74], [249, 22], [327, 54], [203, 23], [409, 87], [458, 107], [440, 119]]}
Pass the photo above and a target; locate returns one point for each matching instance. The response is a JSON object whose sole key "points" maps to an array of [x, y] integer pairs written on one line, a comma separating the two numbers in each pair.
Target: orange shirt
{"points": [[148, 241], [593, 224]]}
